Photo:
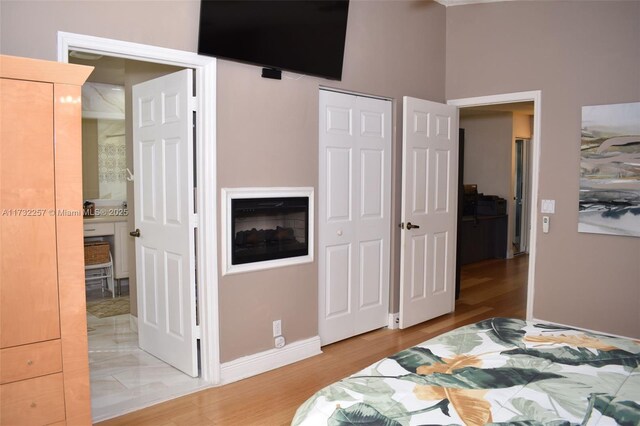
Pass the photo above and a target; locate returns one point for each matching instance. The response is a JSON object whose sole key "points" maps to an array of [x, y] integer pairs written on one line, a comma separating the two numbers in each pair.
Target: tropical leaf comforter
{"points": [[498, 371]]}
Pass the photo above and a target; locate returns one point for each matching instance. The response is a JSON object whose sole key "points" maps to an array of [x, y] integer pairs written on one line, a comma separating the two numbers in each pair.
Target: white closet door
{"points": [[354, 223]]}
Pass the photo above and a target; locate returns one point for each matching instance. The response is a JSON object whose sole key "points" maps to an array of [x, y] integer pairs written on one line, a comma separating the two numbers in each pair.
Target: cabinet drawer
{"points": [[98, 229], [25, 362], [36, 401]]}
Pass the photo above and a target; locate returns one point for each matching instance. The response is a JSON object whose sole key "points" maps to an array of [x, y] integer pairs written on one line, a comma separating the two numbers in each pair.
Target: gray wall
{"points": [[267, 130], [577, 53], [487, 146], [268, 136], [170, 24]]}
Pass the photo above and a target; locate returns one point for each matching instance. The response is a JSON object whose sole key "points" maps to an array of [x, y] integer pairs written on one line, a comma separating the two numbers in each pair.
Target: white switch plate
{"points": [[548, 206]]}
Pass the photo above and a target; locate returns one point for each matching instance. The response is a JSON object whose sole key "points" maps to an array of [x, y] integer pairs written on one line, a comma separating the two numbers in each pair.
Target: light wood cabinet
{"points": [[28, 236], [28, 361], [43, 331], [37, 401]]}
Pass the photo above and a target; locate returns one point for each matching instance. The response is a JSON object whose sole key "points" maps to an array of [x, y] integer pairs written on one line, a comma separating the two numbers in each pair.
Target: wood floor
{"points": [[493, 288]]}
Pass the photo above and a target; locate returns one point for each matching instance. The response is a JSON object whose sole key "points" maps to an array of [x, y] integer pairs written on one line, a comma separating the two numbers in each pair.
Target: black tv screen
{"points": [[305, 36]]}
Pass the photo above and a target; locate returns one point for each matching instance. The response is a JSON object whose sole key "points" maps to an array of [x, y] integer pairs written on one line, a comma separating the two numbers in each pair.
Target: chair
{"points": [[102, 271]]}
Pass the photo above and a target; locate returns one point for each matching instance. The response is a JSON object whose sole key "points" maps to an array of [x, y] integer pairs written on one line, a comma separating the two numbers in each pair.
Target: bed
{"points": [[498, 371]]}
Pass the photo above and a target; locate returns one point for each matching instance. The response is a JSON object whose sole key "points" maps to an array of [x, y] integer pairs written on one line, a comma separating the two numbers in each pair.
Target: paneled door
{"points": [[429, 210], [354, 223], [165, 220]]}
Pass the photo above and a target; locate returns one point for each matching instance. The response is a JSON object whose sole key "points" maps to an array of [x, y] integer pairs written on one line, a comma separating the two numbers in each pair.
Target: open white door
{"points": [[429, 209], [354, 206], [165, 219]]}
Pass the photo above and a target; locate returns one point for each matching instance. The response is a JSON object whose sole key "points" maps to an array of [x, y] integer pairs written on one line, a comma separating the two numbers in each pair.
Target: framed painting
{"points": [[610, 170]]}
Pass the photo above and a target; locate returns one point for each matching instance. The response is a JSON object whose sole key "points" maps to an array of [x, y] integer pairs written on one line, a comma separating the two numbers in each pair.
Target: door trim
{"points": [[525, 217], [536, 97], [352, 93], [205, 79]]}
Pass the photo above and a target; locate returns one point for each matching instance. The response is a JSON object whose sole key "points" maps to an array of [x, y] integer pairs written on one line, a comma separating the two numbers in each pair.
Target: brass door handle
{"points": [[135, 233], [410, 226]]}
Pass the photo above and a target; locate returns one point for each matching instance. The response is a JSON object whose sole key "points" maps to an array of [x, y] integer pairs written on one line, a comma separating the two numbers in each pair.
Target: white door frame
{"points": [[205, 80], [536, 97], [525, 215]]}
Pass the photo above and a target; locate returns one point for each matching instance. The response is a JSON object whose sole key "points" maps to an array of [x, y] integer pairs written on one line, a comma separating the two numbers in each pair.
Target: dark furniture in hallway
{"points": [[482, 237]]}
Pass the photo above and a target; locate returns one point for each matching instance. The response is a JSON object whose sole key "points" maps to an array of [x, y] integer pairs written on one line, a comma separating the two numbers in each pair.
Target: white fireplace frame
{"points": [[229, 194]]}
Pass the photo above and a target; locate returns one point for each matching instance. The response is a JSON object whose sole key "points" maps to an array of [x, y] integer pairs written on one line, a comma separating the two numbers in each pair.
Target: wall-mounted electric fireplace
{"points": [[267, 228]]}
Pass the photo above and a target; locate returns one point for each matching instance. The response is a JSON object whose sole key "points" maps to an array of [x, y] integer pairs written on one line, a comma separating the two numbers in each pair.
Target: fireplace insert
{"points": [[269, 228]]}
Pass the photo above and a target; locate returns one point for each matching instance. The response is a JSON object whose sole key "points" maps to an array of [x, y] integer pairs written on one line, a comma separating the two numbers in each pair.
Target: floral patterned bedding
{"points": [[498, 371]]}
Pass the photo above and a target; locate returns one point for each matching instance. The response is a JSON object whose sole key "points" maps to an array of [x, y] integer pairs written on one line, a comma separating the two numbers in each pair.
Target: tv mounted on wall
{"points": [[304, 36]]}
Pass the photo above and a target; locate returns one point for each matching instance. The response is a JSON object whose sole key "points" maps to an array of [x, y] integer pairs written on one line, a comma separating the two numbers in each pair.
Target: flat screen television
{"points": [[304, 36]]}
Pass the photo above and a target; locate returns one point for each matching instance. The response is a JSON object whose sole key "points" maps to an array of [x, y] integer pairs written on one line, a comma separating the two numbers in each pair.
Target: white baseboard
{"points": [[580, 328], [394, 321], [262, 362]]}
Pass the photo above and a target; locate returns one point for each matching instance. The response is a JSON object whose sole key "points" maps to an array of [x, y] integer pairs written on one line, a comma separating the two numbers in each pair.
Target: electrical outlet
{"points": [[277, 328], [279, 342]]}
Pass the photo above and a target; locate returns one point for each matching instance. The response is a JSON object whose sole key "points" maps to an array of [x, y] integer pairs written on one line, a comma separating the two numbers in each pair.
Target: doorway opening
{"points": [[123, 353], [518, 163], [117, 382]]}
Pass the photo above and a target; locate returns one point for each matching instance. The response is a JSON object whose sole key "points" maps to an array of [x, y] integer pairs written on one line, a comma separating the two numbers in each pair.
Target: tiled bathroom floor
{"points": [[124, 378]]}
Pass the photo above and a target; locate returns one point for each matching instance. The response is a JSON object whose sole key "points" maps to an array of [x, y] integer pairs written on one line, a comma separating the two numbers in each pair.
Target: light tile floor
{"points": [[124, 378]]}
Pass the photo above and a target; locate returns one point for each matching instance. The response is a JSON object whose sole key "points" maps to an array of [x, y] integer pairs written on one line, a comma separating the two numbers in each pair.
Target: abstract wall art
{"points": [[610, 170]]}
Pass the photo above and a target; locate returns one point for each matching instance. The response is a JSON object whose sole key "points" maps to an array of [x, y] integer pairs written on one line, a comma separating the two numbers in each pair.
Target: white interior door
{"points": [[354, 209], [164, 216], [429, 210]]}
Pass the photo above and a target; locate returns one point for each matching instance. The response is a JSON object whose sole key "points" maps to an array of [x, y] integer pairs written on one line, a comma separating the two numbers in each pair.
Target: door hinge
{"points": [[193, 104], [197, 333]]}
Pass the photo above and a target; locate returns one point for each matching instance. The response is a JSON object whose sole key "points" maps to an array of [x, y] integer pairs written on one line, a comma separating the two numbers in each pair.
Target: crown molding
{"points": [[448, 3]]}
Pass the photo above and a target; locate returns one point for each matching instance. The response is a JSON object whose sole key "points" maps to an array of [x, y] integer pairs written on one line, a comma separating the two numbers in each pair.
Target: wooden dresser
{"points": [[44, 371]]}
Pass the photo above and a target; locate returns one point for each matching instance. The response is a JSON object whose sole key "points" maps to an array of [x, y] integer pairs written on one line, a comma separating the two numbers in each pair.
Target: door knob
{"points": [[411, 226], [135, 233], [339, 232]]}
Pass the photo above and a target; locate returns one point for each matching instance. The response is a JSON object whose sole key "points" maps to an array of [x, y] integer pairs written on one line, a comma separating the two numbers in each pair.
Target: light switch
{"points": [[548, 206]]}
